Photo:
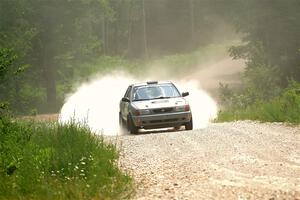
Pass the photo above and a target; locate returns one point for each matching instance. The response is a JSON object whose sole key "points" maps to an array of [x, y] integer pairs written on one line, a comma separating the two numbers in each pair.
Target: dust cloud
{"points": [[96, 103]]}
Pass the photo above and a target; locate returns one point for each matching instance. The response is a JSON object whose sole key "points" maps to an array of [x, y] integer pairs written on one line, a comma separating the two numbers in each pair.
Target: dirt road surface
{"points": [[238, 160]]}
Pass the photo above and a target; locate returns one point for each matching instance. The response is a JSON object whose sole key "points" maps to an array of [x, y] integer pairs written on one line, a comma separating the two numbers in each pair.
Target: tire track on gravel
{"points": [[239, 160]]}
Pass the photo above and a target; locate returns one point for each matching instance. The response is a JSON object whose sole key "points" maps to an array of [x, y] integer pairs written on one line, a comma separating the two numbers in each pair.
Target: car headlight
{"points": [[141, 112], [179, 108], [182, 108], [145, 112]]}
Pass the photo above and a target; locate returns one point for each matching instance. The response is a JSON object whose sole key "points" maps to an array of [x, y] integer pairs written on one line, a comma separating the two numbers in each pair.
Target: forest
{"points": [[47, 46]]}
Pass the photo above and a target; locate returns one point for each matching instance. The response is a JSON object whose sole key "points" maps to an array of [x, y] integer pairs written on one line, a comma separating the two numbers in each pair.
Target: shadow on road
{"points": [[155, 131]]}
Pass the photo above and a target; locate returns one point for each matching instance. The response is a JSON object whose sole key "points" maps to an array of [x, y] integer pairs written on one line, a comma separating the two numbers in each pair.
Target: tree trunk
{"points": [[104, 33], [192, 22], [48, 53], [50, 83], [51, 88], [144, 30], [130, 23]]}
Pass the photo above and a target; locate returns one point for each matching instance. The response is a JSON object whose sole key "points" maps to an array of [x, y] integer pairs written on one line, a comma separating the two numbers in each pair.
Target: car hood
{"points": [[159, 103]]}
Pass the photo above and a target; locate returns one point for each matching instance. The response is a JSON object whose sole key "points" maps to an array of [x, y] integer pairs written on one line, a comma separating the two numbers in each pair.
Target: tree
{"points": [[145, 30], [50, 36], [273, 27], [192, 21]]}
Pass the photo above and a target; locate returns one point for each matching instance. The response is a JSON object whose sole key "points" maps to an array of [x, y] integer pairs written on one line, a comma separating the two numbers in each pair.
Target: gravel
{"points": [[237, 160]]}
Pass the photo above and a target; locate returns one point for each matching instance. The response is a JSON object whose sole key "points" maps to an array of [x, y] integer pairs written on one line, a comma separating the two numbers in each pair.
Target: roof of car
{"points": [[151, 83]]}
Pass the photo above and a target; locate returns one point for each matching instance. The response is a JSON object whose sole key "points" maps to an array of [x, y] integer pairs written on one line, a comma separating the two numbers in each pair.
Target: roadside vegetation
{"points": [[244, 106], [53, 161], [271, 48]]}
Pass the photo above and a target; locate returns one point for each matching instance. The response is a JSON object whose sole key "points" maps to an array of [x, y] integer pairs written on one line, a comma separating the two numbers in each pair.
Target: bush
{"points": [[53, 161], [284, 108]]}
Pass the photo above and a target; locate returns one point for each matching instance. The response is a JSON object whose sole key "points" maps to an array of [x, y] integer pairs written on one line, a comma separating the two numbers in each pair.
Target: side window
{"points": [[127, 94]]}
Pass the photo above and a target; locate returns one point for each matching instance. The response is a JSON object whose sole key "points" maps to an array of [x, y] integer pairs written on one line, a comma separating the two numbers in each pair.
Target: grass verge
{"points": [[284, 108], [53, 161]]}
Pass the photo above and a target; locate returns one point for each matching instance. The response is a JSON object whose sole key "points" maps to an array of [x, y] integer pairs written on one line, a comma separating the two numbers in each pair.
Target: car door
{"points": [[125, 105]]}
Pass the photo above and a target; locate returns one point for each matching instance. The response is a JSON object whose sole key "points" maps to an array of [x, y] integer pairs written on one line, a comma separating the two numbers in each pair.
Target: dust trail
{"points": [[204, 108], [97, 103]]}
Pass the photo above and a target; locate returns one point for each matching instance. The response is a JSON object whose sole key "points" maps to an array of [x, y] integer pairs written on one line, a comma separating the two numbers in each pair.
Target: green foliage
{"points": [[46, 36], [61, 39], [271, 35], [271, 50], [59, 42], [53, 161], [282, 108], [7, 58]]}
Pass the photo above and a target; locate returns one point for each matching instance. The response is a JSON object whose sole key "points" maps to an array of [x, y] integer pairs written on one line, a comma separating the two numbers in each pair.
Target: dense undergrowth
{"points": [[53, 161], [284, 107]]}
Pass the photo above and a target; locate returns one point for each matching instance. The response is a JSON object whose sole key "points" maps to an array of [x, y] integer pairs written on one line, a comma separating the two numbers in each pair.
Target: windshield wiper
{"points": [[162, 97], [141, 99]]}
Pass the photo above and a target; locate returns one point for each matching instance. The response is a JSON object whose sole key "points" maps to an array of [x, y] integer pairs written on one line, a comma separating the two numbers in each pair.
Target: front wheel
{"points": [[130, 126], [189, 125]]}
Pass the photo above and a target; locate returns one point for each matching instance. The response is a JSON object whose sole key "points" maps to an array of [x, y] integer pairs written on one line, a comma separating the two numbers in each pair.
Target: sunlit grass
{"points": [[53, 161], [284, 108]]}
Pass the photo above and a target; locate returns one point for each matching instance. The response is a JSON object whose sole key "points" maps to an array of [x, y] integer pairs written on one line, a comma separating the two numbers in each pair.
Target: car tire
{"points": [[130, 126], [189, 125]]}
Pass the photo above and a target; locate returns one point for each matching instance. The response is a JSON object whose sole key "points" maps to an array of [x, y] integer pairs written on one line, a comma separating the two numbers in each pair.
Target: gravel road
{"points": [[239, 160]]}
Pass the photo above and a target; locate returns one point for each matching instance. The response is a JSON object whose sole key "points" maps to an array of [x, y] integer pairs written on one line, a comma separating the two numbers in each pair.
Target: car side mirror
{"points": [[184, 94], [125, 99]]}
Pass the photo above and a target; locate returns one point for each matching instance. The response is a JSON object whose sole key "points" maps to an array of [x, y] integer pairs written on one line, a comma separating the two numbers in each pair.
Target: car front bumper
{"points": [[162, 120]]}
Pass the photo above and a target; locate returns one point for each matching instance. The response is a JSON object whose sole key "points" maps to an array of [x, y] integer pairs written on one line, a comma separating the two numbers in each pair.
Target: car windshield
{"points": [[162, 91]]}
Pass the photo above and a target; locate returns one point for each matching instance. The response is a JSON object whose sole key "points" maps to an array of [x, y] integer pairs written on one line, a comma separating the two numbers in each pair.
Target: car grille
{"points": [[162, 110], [164, 120]]}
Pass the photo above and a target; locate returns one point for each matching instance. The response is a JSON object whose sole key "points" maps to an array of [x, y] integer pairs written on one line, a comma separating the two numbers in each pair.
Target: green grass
{"points": [[284, 108], [53, 161]]}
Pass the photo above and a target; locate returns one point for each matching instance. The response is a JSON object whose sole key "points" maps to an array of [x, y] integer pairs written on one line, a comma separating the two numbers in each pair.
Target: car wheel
{"points": [[130, 126], [189, 125]]}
